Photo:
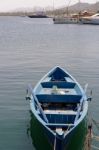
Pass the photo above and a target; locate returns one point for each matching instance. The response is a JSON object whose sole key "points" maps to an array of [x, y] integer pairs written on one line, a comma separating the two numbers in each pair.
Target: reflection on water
{"points": [[37, 135]]}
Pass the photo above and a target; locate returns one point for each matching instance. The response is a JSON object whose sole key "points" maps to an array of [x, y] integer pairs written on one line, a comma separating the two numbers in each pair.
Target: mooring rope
{"points": [[55, 143], [91, 136], [95, 121]]}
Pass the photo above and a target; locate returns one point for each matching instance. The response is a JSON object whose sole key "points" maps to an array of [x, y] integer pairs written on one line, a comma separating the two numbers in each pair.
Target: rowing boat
{"points": [[59, 106]]}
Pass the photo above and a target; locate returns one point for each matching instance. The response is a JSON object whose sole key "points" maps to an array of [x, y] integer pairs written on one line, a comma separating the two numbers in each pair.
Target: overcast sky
{"points": [[13, 4]]}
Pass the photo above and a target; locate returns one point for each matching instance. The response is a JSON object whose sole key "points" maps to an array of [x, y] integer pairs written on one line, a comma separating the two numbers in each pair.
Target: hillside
{"points": [[59, 11], [76, 8], [85, 6]]}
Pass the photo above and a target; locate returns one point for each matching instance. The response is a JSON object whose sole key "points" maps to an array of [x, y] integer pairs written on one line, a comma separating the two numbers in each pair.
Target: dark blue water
{"points": [[28, 49]]}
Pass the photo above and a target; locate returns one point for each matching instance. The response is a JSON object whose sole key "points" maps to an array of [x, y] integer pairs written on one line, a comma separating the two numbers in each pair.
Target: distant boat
{"points": [[59, 106], [38, 16], [94, 19], [65, 20], [68, 19]]}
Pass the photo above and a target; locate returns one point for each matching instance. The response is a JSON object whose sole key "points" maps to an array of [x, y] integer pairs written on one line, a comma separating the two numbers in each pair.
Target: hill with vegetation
{"points": [[76, 8]]}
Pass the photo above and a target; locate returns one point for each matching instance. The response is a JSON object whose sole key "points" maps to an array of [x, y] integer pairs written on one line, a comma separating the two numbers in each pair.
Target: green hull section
{"points": [[41, 142], [38, 136], [78, 138]]}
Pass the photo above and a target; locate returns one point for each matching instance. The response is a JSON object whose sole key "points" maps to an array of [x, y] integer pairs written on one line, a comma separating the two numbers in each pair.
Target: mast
{"points": [[68, 8], [53, 8], [79, 14], [96, 7]]}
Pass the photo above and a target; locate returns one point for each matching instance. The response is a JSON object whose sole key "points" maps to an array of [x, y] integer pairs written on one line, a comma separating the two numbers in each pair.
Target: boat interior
{"points": [[59, 97]]}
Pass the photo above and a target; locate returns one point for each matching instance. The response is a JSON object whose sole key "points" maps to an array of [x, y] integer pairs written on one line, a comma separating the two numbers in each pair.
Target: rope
{"points": [[88, 140], [55, 143], [91, 136], [96, 123]]}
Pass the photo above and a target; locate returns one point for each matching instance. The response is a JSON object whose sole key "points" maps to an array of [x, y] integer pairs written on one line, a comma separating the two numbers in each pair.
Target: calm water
{"points": [[28, 49]]}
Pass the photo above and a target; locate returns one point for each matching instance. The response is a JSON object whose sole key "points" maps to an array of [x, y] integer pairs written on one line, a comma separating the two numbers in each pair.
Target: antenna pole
{"points": [[68, 8], [79, 14], [53, 8]]}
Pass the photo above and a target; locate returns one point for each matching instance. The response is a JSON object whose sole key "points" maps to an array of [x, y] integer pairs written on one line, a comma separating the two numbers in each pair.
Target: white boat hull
{"points": [[90, 20]]}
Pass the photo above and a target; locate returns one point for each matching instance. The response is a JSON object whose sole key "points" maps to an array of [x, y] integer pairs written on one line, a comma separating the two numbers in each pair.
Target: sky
{"points": [[6, 5]]}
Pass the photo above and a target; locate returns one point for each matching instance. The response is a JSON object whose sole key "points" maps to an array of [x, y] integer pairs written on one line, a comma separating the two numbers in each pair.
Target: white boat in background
{"points": [[94, 19]]}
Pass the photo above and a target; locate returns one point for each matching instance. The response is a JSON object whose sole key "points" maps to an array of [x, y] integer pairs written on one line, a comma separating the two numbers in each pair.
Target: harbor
{"points": [[60, 61]]}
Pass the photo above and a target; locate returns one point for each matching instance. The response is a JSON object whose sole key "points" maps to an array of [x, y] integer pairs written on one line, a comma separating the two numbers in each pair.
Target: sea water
{"points": [[29, 48]]}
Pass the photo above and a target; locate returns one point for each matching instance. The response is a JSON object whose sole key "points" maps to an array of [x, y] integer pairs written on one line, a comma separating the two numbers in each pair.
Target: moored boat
{"points": [[65, 20], [38, 16], [94, 19], [59, 105]]}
